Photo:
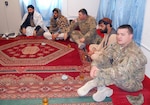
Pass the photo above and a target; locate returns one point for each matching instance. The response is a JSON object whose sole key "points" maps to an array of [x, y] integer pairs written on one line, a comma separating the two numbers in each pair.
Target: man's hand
{"points": [[94, 71], [65, 36], [90, 53], [54, 36], [108, 29], [34, 33], [82, 40], [75, 20], [23, 31]]}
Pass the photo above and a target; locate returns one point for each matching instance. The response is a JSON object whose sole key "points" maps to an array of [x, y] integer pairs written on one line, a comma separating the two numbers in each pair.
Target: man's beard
{"points": [[105, 30], [55, 18], [31, 13]]}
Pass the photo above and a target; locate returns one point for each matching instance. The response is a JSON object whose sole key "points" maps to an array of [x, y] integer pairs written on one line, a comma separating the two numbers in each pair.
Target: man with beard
{"points": [[105, 25], [58, 25], [32, 23]]}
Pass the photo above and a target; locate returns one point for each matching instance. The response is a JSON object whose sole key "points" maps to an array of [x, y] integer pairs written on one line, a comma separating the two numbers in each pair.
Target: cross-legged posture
{"points": [[58, 25], [121, 64], [105, 25], [87, 29], [32, 23]]}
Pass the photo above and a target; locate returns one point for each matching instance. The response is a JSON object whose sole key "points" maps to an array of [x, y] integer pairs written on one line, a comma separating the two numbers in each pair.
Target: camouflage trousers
{"points": [[130, 85], [76, 35]]}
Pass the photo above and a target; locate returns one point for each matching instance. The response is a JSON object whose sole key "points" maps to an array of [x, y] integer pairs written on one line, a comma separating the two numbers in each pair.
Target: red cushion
{"points": [[100, 33]]}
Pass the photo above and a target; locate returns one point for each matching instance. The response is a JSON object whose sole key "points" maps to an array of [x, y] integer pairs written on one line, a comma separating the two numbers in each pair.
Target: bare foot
{"points": [[54, 36], [65, 36]]}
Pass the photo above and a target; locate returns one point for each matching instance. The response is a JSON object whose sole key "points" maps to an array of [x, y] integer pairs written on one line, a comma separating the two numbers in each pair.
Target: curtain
{"points": [[124, 12], [44, 7]]}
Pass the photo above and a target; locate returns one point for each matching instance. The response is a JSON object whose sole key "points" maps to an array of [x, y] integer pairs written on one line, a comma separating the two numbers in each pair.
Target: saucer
{"points": [[64, 77]]}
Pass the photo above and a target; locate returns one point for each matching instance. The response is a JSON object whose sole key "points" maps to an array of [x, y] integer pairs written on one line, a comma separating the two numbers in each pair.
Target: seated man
{"points": [[105, 25], [87, 33], [58, 25], [121, 64], [32, 23]]}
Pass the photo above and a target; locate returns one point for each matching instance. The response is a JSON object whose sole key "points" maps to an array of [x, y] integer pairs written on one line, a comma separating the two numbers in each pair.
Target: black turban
{"points": [[30, 6]]}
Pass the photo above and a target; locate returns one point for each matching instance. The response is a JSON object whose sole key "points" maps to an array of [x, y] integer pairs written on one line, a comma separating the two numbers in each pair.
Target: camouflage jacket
{"points": [[87, 27], [59, 25], [125, 66]]}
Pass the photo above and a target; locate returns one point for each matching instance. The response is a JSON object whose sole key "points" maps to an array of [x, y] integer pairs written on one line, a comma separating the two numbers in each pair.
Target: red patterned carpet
{"points": [[31, 69], [119, 96], [34, 86], [30, 52], [23, 55]]}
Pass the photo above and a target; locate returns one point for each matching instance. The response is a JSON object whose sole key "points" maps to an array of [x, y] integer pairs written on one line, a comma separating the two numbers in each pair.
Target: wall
{"points": [[70, 8], [145, 43], [3, 22], [10, 18]]}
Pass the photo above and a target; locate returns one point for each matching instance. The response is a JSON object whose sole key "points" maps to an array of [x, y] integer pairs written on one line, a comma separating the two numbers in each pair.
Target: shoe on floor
{"points": [[4, 36], [100, 95]]}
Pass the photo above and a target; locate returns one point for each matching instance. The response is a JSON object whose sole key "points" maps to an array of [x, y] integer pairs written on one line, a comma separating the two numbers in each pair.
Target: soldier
{"points": [[105, 25], [87, 29], [58, 25], [121, 64]]}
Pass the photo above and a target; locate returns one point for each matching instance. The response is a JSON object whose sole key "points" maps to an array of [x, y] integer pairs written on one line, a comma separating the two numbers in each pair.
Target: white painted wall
{"points": [[10, 18], [146, 37], [71, 7]]}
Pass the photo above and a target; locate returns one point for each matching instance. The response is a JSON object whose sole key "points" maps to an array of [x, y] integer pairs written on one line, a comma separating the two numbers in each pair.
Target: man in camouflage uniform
{"points": [[87, 29], [58, 25], [121, 64]]}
